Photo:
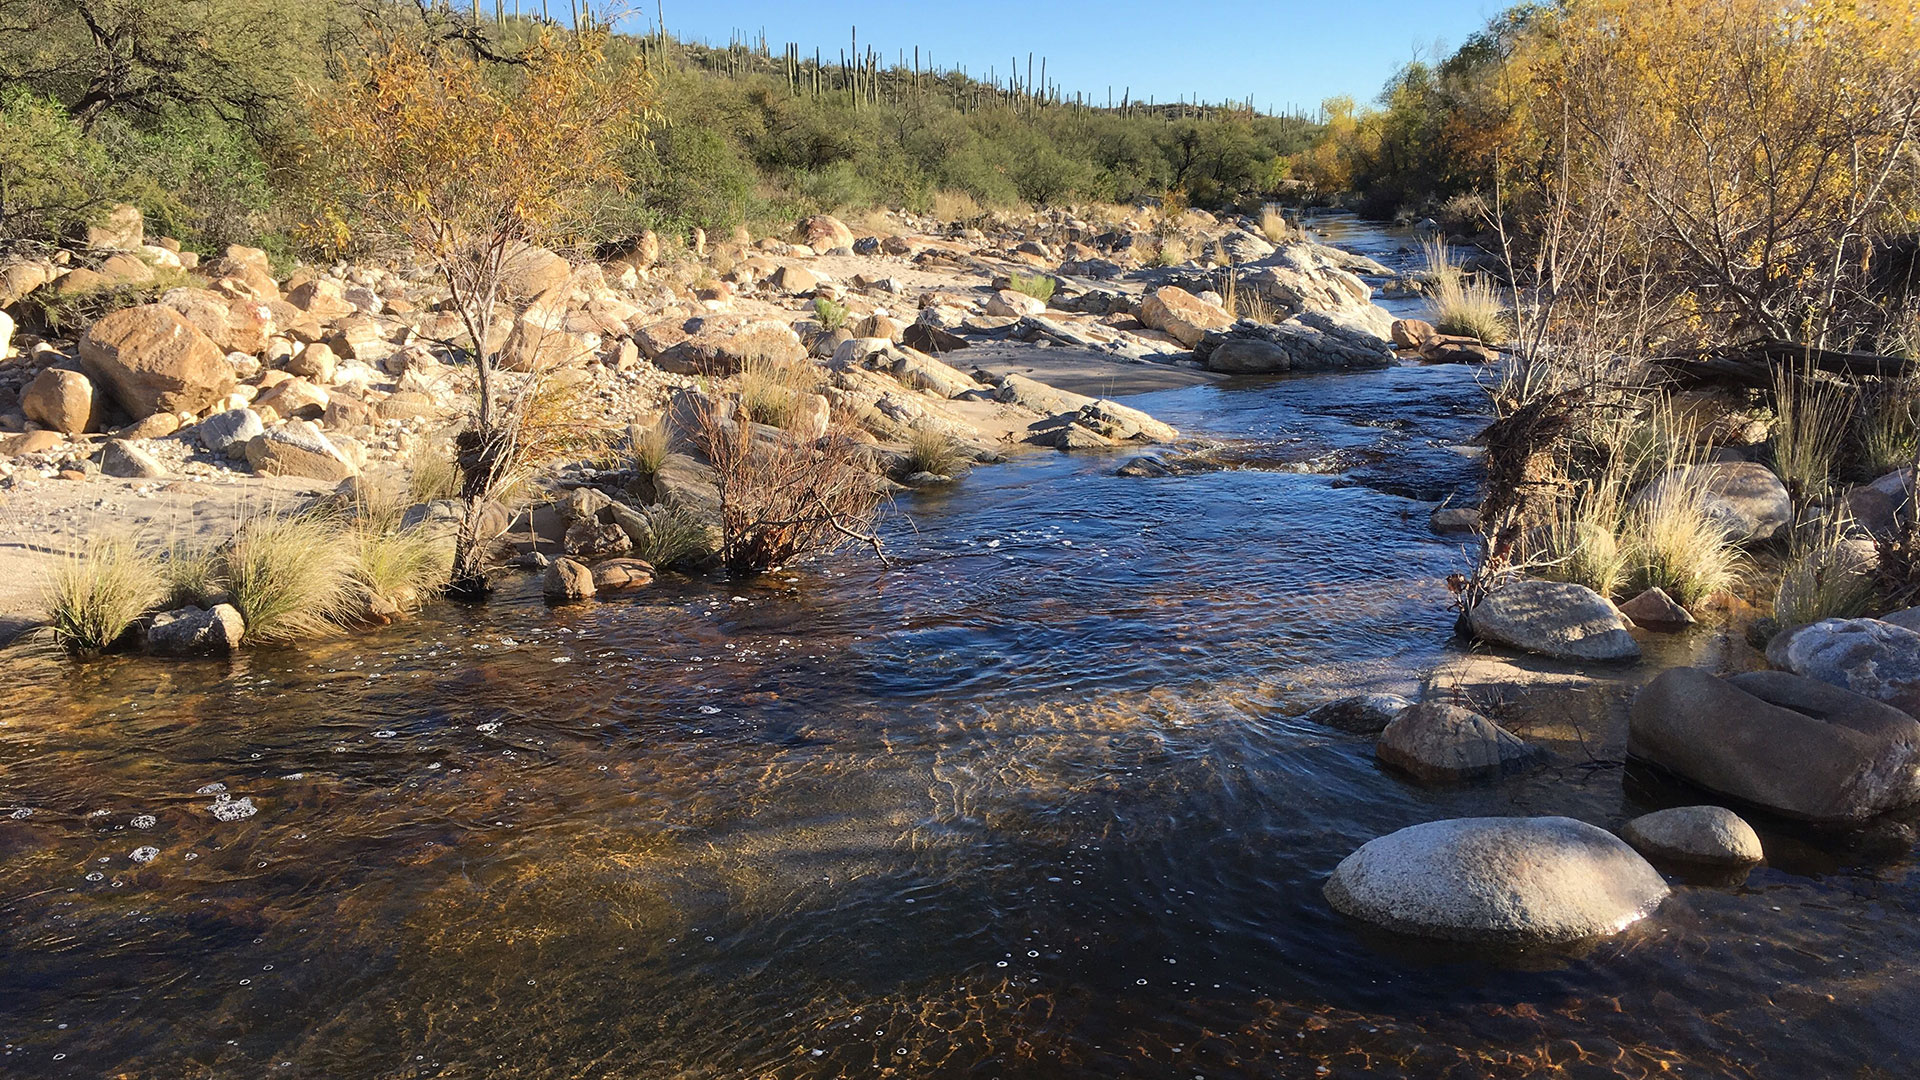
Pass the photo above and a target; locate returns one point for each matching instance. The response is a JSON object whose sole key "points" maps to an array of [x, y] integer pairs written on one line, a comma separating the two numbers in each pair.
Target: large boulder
{"points": [[297, 448], [1799, 747], [1555, 619], [1744, 498], [1867, 656], [1518, 881], [234, 323], [1884, 505], [124, 229], [61, 400], [1309, 342], [192, 631], [151, 359], [1708, 835], [823, 232], [529, 271], [1434, 741], [1185, 316]]}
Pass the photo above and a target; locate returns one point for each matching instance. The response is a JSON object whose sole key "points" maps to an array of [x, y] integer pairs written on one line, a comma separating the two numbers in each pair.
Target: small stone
{"points": [[1434, 741], [567, 580], [192, 631], [1696, 834], [1361, 714], [123, 459], [1555, 619], [1454, 520], [1654, 609]]}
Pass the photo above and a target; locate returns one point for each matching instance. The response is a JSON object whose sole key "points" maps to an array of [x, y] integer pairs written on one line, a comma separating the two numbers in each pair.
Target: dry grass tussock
{"points": [[953, 205], [651, 445], [1463, 303], [1822, 578], [94, 597], [772, 390], [1275, 227], [1811, 425], [932, 452]]}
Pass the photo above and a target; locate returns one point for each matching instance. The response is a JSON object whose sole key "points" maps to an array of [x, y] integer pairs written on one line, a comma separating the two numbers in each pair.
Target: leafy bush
{"points": [[833, 316], [1039, 286]]}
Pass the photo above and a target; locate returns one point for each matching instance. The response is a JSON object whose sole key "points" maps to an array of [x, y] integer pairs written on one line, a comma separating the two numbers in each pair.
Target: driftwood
{"points": [[1754, 365]]}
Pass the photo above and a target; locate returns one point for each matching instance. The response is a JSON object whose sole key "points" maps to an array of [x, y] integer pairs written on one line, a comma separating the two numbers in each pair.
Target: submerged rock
{"points": [[1445, 742], [1710, 835], [1361, 714], [616, 574], [1799, 747], [1555, 619], [1656, 610], [1522, 881]]}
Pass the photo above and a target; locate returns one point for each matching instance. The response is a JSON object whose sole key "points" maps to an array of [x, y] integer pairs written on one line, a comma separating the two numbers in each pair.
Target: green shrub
{"points": [[833, 316], [1039, 286]]}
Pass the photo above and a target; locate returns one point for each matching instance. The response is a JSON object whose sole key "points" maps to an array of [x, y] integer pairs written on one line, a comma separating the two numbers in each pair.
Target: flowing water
{"points": [[1033, 801]]}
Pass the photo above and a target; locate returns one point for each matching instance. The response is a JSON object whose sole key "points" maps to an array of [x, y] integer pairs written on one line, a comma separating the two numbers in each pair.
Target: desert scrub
{"points": [[1038, 286], [832, 315], [92, 598], [1464, 304], [771, 390], [784, 497], [292, 577], [66, 311], [931, 452]]}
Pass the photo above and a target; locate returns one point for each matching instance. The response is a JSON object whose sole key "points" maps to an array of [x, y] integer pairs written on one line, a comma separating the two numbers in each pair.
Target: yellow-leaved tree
{"points": [[1721, 170], [470, 163]]}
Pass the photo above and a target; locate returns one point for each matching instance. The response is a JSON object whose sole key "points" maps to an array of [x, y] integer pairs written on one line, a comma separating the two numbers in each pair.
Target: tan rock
{"points": [[615, 574], [293, 397], [151, 359], [31, 442], [315, 362], [1412, 333], [568, 580], [127, 269], [1182, 314], [322, 298], [124, 230], [530, 271], [1008, 304], [235, 324], [823, 232], [297, 448], [62, 401]]}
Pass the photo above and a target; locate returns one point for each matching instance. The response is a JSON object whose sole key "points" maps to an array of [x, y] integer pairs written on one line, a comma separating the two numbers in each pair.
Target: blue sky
{"points": [[1282, 52]]}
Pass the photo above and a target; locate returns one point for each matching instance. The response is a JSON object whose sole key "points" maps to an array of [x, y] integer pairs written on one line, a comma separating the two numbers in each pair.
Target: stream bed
{"points": [[1032, 801]]}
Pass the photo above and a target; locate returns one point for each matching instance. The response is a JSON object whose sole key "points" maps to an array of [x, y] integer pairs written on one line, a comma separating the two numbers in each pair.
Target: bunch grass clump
{"points": [[1464, 304], [1811, 422], [1822, 579], [931, 452], [405, 567], [651, 445], [1274, 226], [1676, 545], [432, 473], [1582, 541], [1888, 438], [94, 597], [673, 538], [771, 389], [292, 577]]}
